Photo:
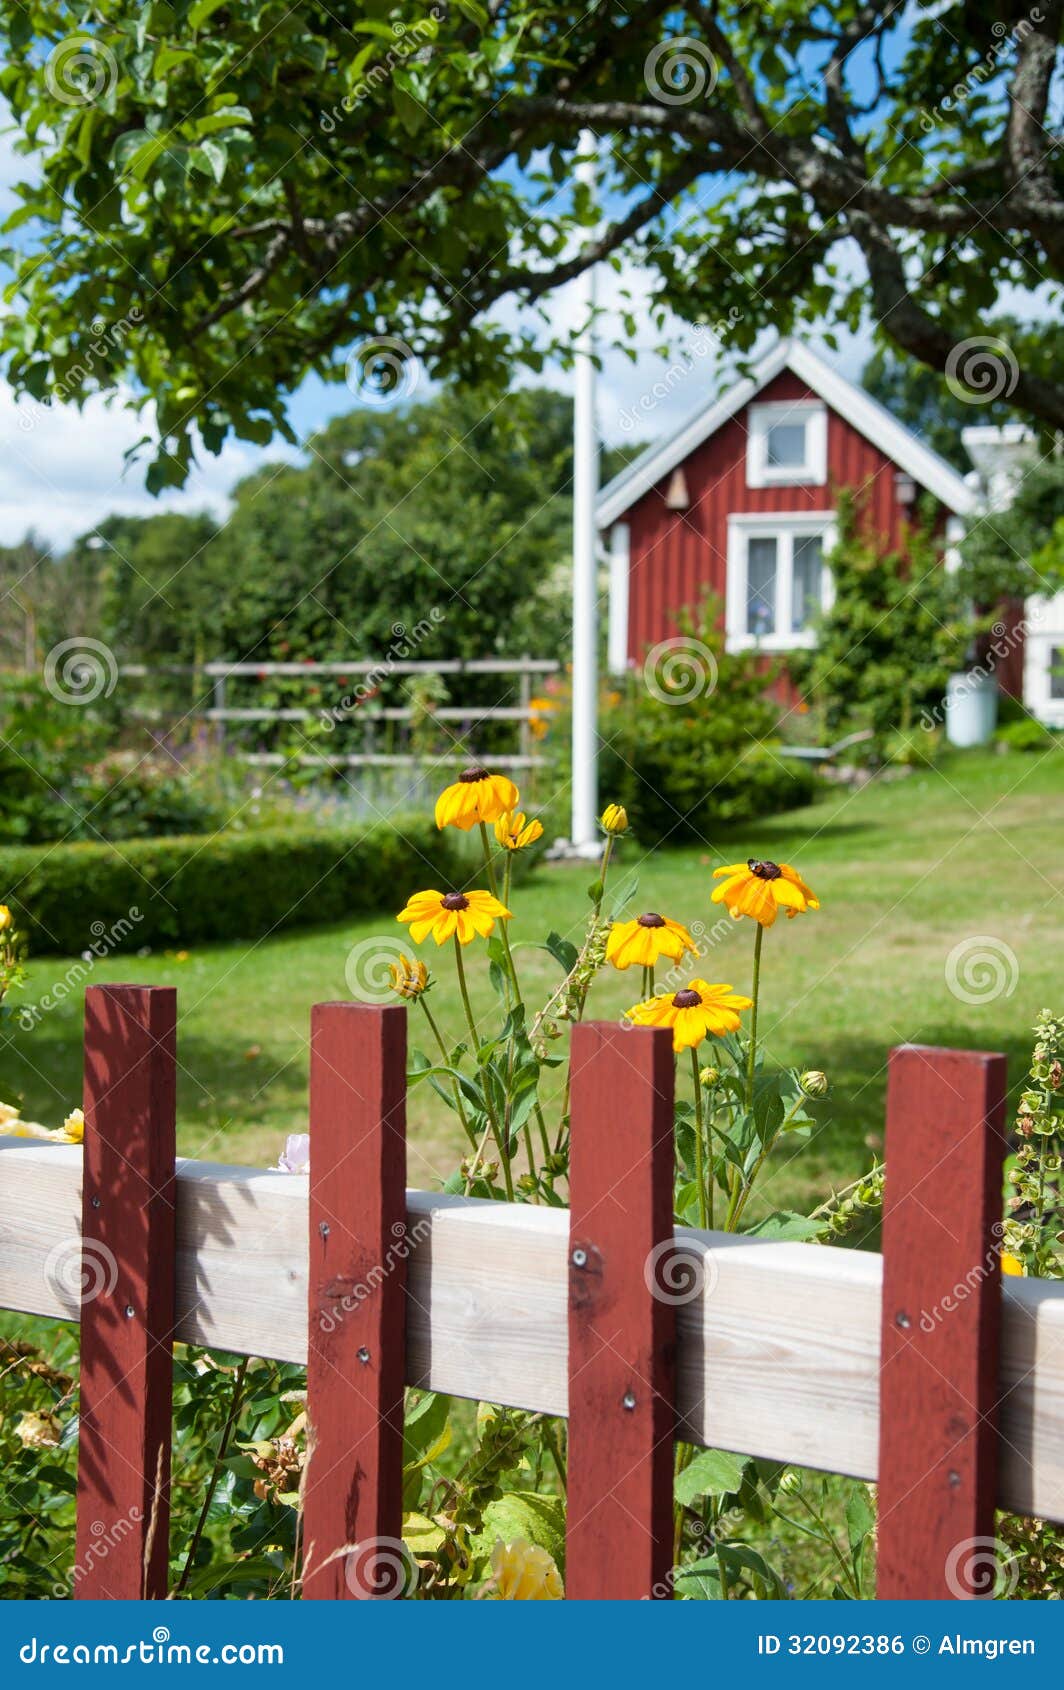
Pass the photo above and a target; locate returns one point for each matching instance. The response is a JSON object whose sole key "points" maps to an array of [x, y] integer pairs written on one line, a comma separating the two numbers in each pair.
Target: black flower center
{"points": [[764, 869], [651, 920], [455, 901], [471, 775], [687, 999]]}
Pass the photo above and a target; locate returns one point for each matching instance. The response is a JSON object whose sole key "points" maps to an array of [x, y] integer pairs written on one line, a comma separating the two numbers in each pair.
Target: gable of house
{"points": [[741, 502]]}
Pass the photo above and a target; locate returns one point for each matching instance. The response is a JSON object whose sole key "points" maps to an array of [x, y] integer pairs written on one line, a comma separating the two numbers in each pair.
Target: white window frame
{"points": [[785, 529], [1044, 633], [761, 418]]}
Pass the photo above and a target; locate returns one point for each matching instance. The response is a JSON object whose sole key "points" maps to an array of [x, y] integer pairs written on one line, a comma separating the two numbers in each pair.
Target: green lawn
{"points": [[906, 870]]}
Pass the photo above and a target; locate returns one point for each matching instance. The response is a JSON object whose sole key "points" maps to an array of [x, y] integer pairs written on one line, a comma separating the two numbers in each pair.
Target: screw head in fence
{"points": [[579, 1258], [902, 1319], [363, 1355], [628, 1400]]}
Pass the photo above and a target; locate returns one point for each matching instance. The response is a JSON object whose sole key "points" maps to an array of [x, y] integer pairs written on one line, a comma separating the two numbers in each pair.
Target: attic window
{"points": [[786, 444]]}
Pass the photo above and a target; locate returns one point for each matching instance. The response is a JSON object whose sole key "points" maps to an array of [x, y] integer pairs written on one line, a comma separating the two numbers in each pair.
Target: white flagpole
{"points": [[584, 832]]}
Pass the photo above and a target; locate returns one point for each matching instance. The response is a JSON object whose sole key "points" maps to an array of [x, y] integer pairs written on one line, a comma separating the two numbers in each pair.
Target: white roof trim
{"points": [[863, 412]]}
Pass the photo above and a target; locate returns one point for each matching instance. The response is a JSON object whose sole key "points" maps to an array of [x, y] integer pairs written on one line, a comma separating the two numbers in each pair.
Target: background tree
{"points": [[938, 410], [228, 197]]}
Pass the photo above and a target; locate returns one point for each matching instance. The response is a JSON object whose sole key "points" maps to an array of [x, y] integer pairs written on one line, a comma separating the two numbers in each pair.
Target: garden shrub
{"points": [[1025, 735], [231, 886], [895, 632], [684, 755], [62, 779]]}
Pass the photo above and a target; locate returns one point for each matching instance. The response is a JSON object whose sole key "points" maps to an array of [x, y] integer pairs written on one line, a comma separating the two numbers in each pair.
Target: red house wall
{"points": [[676, 556]]}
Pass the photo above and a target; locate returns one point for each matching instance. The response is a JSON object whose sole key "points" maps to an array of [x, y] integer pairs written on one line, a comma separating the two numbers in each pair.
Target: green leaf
{"points": [[860, 1519], [783, 1225], [424, 1424], [210, 159], [538, 1519], [713, 1472], [562, 950], [201, 11]]}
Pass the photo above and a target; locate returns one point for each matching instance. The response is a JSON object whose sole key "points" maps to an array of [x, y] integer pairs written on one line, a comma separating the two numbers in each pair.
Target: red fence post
{"points": [[356, 1366], [622, 1335], [938, 1391], [127, 1273]]}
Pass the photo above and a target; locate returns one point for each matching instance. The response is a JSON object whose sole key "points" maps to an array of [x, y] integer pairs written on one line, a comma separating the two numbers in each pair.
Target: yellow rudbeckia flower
{"points": [[6, 918], [514, 832], [646, 939], [693, 1013], [760, 889], [522, 1572], [452, 914], [614, 819], [476, 796], [1011, 1264]]}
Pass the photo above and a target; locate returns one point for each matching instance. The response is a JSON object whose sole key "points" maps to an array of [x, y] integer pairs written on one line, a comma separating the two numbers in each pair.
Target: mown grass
{"points": [[906, 871]]}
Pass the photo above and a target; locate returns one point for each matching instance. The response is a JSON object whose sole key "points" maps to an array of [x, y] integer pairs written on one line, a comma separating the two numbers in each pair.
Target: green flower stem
{"points": [[754, 991], [705, 1198], [456, 1088], [236, 1402], [740, 1196], [583, 991], [488, 1105], [489, 863]]}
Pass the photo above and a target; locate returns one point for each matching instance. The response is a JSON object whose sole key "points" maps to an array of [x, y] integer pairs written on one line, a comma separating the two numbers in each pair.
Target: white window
{"points": [[1043, 659], [778, 581], [787, 444]]}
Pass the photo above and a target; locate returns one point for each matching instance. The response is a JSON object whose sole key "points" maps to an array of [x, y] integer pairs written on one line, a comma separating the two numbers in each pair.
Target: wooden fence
{"points": [[920, 1369], [355, 705]]}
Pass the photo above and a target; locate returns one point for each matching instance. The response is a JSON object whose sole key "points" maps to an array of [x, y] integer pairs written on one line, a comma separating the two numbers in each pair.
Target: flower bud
{"points": [[814, 1083], [6, 918], [614, 819], [409, 978], [708, 1077], [790, 1482]]}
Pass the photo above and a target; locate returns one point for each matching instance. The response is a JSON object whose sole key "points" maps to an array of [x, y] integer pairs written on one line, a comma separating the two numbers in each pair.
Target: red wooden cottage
{"points": [[742, 501]]}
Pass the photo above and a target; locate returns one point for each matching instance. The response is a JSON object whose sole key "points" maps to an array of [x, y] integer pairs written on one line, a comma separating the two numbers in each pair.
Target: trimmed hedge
{"points": [[231, 886]]}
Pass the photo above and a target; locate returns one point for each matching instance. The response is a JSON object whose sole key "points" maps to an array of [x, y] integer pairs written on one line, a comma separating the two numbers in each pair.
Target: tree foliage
{"points": [[452, 516], [226, 197]]}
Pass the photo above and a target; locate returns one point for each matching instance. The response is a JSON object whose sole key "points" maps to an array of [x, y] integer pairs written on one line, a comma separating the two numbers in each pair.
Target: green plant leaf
{"points": [[712, 1472]]}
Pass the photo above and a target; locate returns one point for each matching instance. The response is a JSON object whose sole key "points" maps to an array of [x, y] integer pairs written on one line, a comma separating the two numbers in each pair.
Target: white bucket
{"points": [[971, 708]]}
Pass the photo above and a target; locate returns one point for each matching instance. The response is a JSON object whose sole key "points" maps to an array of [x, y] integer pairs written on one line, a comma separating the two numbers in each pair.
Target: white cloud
{"points": [[62, 470]]}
